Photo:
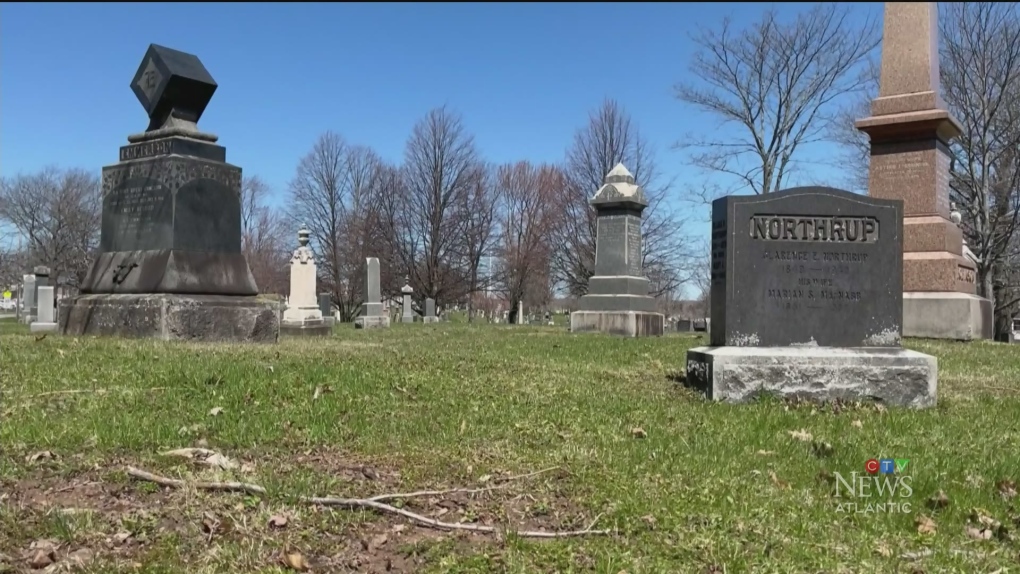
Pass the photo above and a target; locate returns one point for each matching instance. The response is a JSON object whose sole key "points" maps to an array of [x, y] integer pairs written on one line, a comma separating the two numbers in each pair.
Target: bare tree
{"points": [[526, 223], [264, 238], [427, 223], [775, 82], [58, 213], [333, 194], [479, 214], [855, 160], [611, 138], [980, 73]]}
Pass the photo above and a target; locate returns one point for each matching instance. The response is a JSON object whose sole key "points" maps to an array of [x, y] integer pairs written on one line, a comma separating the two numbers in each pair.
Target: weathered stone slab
{"points": [[622, 323], [430, 311], [46, 321], [808, 266]]}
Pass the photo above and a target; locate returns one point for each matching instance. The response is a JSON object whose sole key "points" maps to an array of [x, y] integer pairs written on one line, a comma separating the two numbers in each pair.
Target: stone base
{"points": [[430, 319], [306, 329], [39, 327], [27, 319], [378, 322], [625, 323], [893, 376], [955, 316], [407, 319], [329, 321], [204, 318]]}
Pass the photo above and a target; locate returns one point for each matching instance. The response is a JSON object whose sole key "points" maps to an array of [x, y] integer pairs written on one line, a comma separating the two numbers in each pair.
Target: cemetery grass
{"points": [[685, 485]]}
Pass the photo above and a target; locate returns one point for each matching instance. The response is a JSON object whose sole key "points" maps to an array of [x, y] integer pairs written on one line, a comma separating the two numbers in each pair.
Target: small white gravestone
{"points": [[303, 316], [406, 290], [47, 320]]}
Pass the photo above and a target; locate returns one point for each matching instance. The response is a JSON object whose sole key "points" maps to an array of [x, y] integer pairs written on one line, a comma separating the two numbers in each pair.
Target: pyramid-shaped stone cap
{"points": [[619, 189], [406, 289]]}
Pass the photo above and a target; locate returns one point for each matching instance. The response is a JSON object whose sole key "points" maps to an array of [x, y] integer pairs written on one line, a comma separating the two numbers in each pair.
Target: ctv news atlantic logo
{"points": [[884, 486]]}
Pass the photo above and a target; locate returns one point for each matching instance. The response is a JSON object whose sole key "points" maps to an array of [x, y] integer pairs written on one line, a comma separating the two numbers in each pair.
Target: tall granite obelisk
{"points": [[910, 128], [170, 264]]}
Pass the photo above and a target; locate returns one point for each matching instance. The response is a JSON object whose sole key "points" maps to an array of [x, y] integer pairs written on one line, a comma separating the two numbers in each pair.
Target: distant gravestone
{"points": [[303, 316], [46, 321], [617, 301], [807, 301], [326, 308], [408, 313], [28, 293], [684, 326], [42, 279], [170, 264], [372, 314], [430, 311]]}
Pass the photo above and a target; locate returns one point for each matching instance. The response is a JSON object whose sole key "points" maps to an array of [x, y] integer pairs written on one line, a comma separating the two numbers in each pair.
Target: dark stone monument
{"points": [[326, 308], [807, 301], [617, 301], [684, 326], [170, 264]]}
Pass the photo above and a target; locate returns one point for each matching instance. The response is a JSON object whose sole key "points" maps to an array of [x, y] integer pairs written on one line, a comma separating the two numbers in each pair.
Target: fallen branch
{"points": [[375, 504], [502, 484]]}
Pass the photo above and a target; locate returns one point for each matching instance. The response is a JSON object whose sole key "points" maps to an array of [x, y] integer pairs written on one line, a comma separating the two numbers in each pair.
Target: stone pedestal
{"points": [[617, 301], [372, 322], [372, 314], [894, 376], [46, 321], [408, 313], [910, 129], [170, 263], [168, 317]]}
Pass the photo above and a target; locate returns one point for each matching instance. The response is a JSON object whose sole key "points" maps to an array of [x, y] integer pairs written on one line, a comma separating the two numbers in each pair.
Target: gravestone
{"points": [[684, 325], [910, 129], [46, 320], [408, 316], [806, 301], [617, 301], [170, 264], [42, 279], [430, 311], [303, 316], [28, 293], [372, 314], [326, 308]]}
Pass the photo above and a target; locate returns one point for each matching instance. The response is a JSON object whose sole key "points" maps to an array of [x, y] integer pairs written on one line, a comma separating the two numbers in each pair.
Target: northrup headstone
{"points": [[170, 264], [617, 301], [372, 314], [807, 301]]}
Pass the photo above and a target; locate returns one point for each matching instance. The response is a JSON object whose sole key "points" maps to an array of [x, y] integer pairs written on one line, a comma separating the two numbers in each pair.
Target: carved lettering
{"points": [[965, 274], [812, 228], [148, 149]]}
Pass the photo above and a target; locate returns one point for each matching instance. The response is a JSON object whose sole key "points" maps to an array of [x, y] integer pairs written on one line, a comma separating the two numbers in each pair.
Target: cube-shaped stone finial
{"points": [[172, 84], [620, 189]]}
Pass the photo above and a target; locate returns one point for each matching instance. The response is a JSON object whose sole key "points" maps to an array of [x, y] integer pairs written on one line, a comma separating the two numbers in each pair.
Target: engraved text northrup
{"points": [[808, 228]]}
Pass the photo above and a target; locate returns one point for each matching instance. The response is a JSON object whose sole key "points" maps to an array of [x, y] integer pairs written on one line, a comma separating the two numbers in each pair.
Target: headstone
{"points": [[170, 264], [408, 315], [28, 292], [617, 301], [326, 308], [684, 325], [807, 301], [910, 129], [303, 316], [372, 314], [430, 311], [42, 279], [46, 321], [520, 313]]}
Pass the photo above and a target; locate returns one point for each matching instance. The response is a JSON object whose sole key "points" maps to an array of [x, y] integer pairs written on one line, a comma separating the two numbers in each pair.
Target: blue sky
{"points": [[524, 76]]}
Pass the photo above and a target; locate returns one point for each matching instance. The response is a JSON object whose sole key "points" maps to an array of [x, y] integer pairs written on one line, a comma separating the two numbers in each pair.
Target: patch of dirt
{"points": [[52, 519]]}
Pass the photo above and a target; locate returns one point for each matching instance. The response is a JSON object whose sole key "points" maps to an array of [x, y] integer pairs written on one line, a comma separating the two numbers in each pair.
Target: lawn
{"points": [[683, 485]]}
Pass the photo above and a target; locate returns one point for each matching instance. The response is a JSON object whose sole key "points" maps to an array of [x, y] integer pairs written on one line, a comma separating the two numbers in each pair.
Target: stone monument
{"points": [[408, 316], [326, 308], [372, 314], [617, 301], [430, 311], [170, 264], [45, 321], [41, 273], [28, 294], [910, 129], [807, 301], [303, 316]]}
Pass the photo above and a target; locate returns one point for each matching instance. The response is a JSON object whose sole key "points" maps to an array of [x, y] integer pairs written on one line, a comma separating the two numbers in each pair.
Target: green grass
{"points": [[710, 487]]}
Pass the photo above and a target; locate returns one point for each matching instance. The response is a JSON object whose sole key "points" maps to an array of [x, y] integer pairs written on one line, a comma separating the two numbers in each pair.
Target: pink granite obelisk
{"points": [[910, 128]]}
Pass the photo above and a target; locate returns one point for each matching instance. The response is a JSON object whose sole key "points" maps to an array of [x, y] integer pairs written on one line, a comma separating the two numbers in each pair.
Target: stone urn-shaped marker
{"points": [[303, 315]]}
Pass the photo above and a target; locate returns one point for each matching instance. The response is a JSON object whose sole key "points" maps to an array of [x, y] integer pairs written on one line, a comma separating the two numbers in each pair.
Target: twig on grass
{"points": [[374, 504], [502, 484]]}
